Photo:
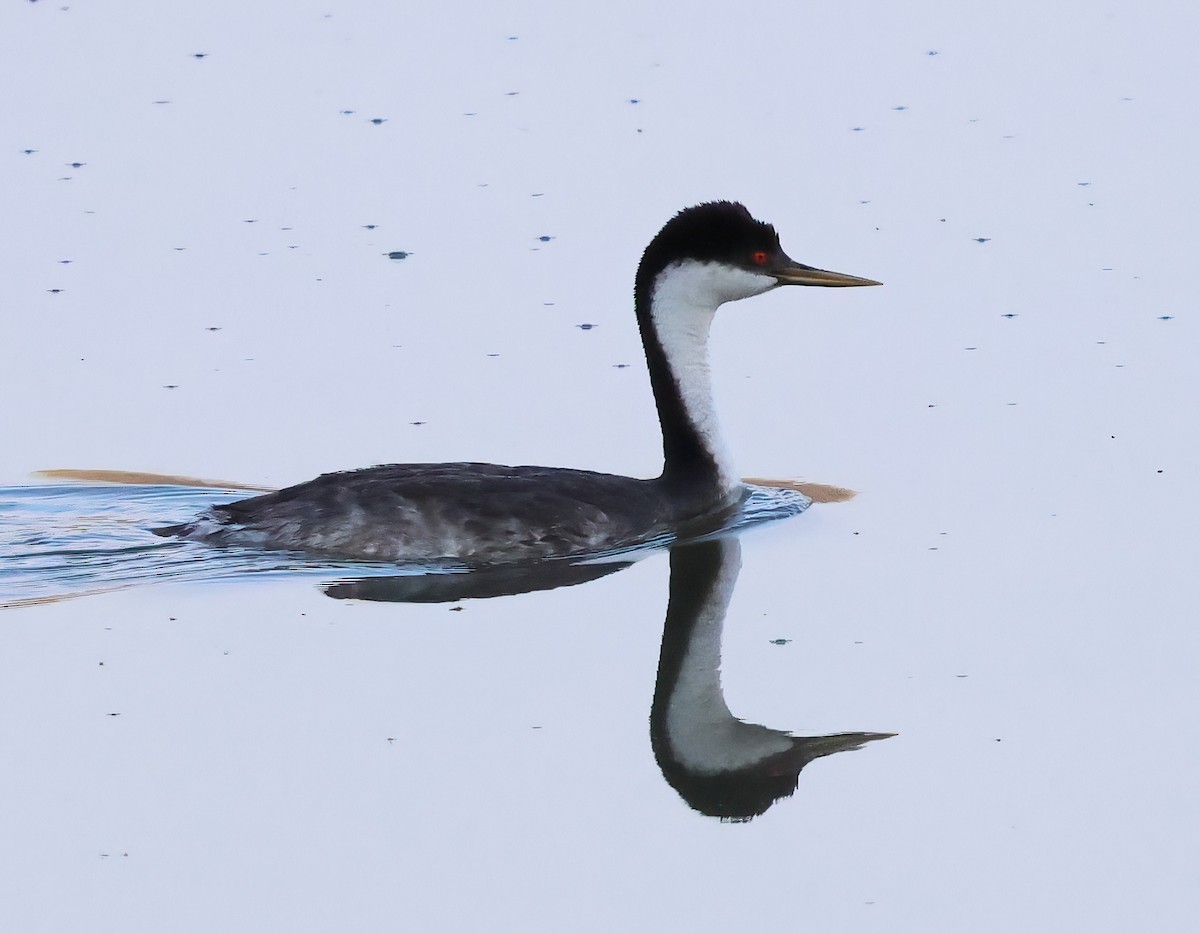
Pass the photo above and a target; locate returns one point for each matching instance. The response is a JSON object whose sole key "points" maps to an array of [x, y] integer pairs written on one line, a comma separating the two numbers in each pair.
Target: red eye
{"points": [[759, 258]]}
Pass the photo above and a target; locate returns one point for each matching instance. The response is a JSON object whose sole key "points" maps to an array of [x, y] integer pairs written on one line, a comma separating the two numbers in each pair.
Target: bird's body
{"points": [[473, 512], [483, 513]]}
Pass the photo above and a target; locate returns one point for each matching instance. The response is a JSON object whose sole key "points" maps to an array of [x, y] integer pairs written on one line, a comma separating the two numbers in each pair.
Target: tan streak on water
{"points": [[135, 478], [60, 597], [818, 492]]}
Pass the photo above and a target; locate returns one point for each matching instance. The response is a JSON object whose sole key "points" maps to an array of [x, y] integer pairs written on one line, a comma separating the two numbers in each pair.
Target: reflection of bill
{"points": [[718, 764]]}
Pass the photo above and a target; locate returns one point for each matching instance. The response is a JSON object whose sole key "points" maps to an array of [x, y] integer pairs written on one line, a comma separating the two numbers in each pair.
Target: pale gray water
{"points": [[197, 282]]}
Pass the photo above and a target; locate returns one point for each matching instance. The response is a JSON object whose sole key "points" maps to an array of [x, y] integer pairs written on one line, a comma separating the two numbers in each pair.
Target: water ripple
{"points": [[63, 541]]}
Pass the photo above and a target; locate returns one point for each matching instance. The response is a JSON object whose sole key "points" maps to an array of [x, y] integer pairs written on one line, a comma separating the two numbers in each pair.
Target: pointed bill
{"points": [[795, 273]]}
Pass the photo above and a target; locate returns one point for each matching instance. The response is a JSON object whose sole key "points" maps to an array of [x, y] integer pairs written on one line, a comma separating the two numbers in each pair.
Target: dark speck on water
{"points": [[545, 239], [1166, 317], [398, 254], [378, 120], [982, 239], [369, 226], [780, 641], [199, 55], [1010, 315], [586, 326]]}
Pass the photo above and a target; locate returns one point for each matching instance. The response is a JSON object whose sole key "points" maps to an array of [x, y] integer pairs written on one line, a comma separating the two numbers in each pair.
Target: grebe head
{"points": [[703, 257], [720, 253]]}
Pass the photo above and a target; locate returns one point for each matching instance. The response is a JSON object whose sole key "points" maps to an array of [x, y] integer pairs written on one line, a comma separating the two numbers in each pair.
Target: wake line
{"points": [[818, 492]]}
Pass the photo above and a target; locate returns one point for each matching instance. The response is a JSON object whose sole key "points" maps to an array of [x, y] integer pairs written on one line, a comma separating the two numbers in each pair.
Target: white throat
{"points": [[685, 299]]}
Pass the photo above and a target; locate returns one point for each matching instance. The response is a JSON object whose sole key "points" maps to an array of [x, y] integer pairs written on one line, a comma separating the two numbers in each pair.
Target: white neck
{"points": [[685, 299]]}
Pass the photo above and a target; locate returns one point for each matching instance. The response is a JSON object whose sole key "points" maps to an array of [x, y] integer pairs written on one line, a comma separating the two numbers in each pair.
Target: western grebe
{"points": [[482, 513]]}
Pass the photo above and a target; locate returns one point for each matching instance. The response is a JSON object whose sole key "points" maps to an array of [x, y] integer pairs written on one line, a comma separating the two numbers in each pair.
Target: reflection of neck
{"points": [[703, 735]]}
